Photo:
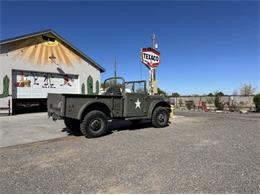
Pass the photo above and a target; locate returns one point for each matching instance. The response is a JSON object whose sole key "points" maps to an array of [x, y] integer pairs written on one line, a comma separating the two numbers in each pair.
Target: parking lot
{"points": [[196, 153], [28, 128]]}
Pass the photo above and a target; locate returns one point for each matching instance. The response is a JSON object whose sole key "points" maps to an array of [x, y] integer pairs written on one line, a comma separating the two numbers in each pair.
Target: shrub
{"points": [[257, 102], [219, 93], [175, 94], [241, 103], [209, 101], [234, 107], [219, 105], [189, 104]]}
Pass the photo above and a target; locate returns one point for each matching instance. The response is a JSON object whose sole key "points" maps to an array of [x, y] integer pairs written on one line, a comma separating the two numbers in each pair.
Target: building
{"points": [[36, 64]]}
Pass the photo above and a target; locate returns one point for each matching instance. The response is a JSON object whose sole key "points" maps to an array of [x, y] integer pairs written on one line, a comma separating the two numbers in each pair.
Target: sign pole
{"points": [[151, 80], [151, 58], [152, 70]]}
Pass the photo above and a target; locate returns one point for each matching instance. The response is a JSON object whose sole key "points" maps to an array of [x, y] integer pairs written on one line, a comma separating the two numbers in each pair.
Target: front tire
{"points": [[160, 117], [94, 124]]}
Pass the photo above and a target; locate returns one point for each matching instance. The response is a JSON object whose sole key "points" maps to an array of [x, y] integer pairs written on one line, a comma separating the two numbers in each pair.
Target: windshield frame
{"points": [[116, 78], [140, 81]]}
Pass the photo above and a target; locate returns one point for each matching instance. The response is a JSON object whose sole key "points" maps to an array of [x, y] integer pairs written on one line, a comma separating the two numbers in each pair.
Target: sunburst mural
{"points": [[40, 52]]}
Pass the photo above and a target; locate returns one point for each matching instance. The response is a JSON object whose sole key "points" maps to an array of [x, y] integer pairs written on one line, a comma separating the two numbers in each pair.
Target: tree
{"points": [[219, 93], [175, 94], [210, 94], [247, 89], [217, 101], [257, 102], [161, 92]]}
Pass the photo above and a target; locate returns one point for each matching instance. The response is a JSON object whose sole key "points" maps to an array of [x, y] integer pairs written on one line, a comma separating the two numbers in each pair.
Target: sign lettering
{"points": [[150, 57]]}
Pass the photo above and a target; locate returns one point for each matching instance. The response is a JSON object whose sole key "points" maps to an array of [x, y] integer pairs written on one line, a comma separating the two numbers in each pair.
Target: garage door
{"points": [[30, 84]]}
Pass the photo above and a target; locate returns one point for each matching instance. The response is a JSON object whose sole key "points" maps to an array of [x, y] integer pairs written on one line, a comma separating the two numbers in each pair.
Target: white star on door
{"points": [[137, 104]]}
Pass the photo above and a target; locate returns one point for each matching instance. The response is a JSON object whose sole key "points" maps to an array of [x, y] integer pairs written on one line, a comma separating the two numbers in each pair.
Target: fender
{"points": [[154, 104], [89, 104]]}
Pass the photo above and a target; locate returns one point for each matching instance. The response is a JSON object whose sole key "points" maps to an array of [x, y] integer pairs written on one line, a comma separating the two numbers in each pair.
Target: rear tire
{"points": [[160, 117], [94, 124], [72, 125]]}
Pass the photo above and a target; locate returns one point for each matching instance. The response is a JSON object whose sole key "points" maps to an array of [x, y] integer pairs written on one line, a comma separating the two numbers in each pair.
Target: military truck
{"points": [[120, 101]]}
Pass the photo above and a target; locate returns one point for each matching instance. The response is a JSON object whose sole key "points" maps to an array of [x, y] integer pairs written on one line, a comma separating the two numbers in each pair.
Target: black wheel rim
{"points": [[162, 117], [95, 124]]}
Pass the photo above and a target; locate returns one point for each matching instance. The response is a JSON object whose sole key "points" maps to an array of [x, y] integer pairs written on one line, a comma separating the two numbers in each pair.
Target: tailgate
{"points": [[56, 105]]}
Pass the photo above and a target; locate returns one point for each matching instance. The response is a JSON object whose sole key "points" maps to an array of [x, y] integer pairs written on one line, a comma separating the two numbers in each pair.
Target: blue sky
{"points": [[205, 45]]}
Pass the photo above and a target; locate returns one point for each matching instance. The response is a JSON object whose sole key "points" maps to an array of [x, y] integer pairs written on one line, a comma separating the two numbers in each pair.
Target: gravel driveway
{"points": [[198, 153]]}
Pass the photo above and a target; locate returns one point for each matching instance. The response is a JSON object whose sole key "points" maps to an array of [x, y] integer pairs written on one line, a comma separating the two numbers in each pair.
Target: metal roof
{"points": [[84, 56]]}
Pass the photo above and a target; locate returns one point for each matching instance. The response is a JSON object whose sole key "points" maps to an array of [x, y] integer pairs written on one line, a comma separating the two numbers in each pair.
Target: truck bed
{"points": [[72, 105]]}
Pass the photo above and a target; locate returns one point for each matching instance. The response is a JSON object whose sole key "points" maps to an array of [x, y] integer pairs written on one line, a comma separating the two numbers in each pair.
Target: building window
{"points": [[90, 85], [97, 87], [82, 88]]}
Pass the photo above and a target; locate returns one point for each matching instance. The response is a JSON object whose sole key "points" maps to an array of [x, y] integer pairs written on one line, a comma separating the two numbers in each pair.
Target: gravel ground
{"points": [[198, 153]]}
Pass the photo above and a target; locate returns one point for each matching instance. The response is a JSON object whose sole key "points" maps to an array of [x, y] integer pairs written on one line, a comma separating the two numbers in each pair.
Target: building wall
{"points": [[33, 54]]}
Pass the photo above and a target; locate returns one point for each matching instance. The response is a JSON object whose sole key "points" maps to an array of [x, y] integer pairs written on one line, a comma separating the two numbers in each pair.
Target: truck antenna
{"points": [[115, 68]]}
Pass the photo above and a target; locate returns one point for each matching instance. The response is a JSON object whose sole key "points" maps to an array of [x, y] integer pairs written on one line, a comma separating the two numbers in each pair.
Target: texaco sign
{"points": [[150, 57]]}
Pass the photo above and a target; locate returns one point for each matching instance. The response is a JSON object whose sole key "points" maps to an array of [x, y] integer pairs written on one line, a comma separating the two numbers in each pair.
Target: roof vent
{"points": [[46, 38]]}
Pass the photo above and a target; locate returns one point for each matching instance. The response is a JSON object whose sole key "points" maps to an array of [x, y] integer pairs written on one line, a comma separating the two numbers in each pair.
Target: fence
{"points": [[244, 102]]}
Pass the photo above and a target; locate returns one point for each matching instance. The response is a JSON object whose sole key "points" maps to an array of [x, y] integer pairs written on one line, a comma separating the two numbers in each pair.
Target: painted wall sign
{"points": [[150, 57], [29, 84]]}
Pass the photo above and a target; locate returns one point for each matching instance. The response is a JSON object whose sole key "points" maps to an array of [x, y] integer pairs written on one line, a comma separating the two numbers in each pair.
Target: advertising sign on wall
{"points": [[29, 84]]}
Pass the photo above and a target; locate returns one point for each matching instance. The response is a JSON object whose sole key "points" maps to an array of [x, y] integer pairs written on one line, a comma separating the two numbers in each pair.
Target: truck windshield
{"points": [[135, 87], [113, 86]]}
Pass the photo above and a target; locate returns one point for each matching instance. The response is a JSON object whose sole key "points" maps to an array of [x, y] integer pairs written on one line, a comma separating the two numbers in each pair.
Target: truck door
{"points": [[136, 99], [135, 105]]}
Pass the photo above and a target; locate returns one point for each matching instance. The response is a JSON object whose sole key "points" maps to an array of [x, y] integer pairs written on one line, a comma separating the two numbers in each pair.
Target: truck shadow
{"points": [[71, 133], [115, 126], [128, 125]]}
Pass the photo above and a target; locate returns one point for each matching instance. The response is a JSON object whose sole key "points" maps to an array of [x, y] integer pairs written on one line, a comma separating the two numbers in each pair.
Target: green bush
{"points": [[219, 105], [257, 102], [189, 104]]}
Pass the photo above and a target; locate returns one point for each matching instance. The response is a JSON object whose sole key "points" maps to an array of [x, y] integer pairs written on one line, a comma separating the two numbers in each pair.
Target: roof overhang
{"points": [[60, 38]]}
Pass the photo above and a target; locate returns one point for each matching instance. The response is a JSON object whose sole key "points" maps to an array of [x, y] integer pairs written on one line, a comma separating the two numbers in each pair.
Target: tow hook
{"points": [[54, 116]]}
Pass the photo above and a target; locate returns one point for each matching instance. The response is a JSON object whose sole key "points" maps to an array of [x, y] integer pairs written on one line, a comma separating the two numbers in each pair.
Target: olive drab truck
{"points": [[120, 100]]}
